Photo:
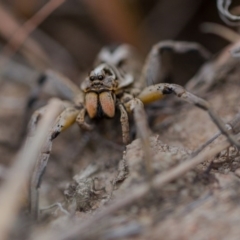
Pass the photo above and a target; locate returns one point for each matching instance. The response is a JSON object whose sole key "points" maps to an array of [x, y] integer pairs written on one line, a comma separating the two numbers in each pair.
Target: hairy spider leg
{"points": [[65, 120], [153, 64], [124, 124], [155, 92], [136, 106], [63, 86]]}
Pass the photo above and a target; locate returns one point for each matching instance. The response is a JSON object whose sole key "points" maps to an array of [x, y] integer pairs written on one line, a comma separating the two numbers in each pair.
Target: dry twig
{"points": [[21, 34], [11, 196], [8, 25], [220, 30], [29, 26], [213, 71], [233, 126]]}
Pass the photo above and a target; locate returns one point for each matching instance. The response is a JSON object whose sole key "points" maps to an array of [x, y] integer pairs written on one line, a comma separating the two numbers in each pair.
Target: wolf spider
{"points": [[118, 81]]}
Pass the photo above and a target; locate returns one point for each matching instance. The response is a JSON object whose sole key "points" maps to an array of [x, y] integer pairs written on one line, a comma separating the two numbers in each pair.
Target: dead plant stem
{"points": [[12, 191]]}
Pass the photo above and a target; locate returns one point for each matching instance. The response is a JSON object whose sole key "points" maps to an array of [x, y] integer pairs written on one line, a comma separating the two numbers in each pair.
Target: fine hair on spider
{"points": [[119, 80]]}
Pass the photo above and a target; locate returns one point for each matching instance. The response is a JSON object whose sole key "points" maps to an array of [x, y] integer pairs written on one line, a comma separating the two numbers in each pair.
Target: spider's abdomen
{"points": [[100, 104]]}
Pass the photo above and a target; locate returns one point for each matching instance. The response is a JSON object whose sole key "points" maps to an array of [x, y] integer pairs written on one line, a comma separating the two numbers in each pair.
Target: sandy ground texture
{"points": [[89, 171]]}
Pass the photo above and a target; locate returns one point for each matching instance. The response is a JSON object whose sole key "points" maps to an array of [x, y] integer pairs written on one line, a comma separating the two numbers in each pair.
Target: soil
{"points": [[87, 171]]}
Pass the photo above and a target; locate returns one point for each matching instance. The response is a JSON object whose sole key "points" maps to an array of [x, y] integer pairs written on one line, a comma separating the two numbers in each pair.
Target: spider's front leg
{"points": [[59, 86], [136, 106], [155, 92], [65, 120], [153, 65], [125, 124]]}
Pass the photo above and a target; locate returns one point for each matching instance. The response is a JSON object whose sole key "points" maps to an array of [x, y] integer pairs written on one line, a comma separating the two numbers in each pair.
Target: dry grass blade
{"points": [[82, 229], [233, 126], [220, 30], [29, 26], [213, 71], [11, 196], [31, 49]]}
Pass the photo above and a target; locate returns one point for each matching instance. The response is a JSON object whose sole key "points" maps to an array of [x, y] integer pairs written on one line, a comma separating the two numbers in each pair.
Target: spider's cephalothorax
{"points": [[119, 80], [99, 88]]}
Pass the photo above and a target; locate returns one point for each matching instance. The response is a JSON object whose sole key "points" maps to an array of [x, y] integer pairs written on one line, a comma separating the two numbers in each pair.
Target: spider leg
{"points": [[81, 120], [64, 86], [153, 64], [31, 100], [53, 83], [58, 84], [124, 124], [65, 120], [36, 116], [155, 92], [136, 106], [35, 91]]}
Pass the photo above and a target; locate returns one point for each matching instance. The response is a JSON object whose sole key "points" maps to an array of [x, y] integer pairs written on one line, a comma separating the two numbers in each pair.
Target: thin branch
{"points": [[220, 30], [20, 36], [233, 126], [12, 193], [8, 25], [213, 71], [56, 205]]}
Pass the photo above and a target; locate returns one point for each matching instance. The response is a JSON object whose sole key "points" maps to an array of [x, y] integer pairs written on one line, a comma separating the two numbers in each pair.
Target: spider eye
{"points": [[100, 77], [92, 78]]}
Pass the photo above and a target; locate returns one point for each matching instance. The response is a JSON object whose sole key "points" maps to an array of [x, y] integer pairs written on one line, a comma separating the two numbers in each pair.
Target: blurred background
{"points": [[69, 33]]}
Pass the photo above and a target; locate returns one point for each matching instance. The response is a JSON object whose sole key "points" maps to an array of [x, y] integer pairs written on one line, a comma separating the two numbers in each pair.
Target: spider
{"points": [[118, 80]]}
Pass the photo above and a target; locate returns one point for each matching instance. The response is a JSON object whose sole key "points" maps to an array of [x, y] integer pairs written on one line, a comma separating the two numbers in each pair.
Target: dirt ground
{"points": [[94, 186], [87, 171]]}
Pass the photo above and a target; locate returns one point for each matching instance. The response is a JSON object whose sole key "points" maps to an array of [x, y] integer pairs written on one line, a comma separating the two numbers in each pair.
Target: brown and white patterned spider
{"points": [[118, 80]]}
